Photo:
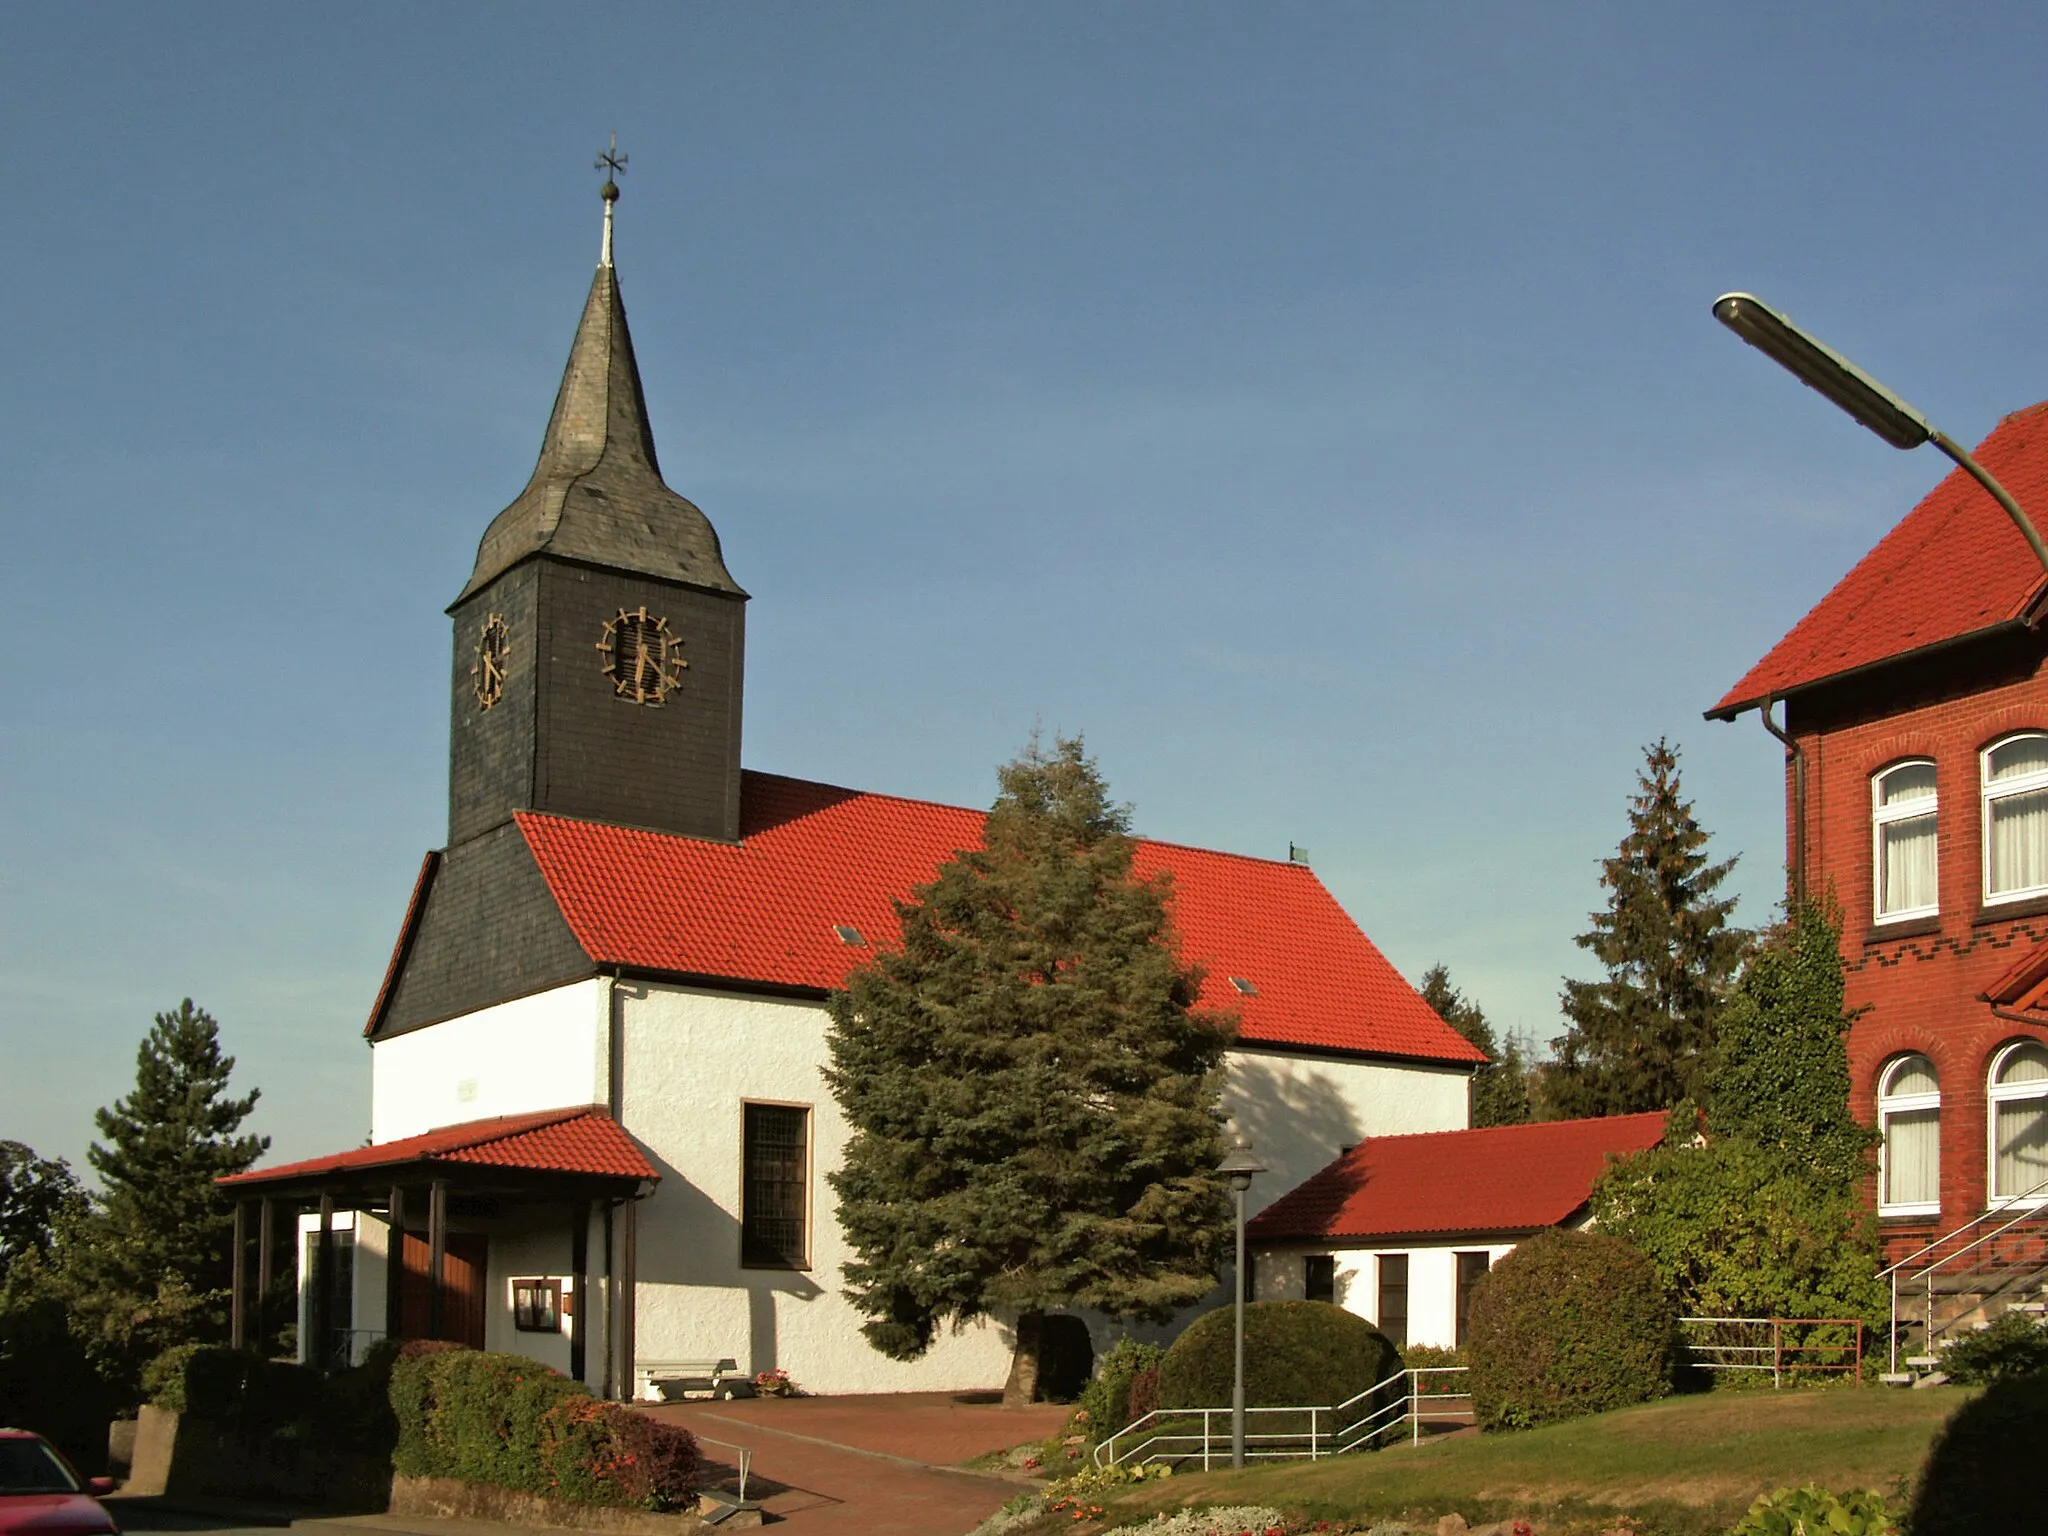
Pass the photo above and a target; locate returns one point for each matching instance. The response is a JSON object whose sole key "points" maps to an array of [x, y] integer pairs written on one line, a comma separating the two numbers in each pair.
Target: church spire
{"points": [[596, 495]]}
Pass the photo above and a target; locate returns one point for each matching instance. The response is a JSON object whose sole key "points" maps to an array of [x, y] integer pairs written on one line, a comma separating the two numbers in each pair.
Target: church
{"points": [[600, 1130]]}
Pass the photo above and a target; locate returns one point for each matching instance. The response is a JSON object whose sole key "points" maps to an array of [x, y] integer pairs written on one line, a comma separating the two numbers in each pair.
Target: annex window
{"points": [[1393, 1310], [537, 1306], [1319, 1277], [2016, 817], [775, 1186], [2019, 1123], [1909, 1117], [1472, 1268], [1902, 820]]}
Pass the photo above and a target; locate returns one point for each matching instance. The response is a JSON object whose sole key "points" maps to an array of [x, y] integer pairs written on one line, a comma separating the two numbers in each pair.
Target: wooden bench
{"points": [[656, 1381]]}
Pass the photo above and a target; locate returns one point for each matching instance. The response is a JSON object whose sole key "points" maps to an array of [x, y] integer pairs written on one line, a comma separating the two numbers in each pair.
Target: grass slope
{"points": [[1687, 1465]]}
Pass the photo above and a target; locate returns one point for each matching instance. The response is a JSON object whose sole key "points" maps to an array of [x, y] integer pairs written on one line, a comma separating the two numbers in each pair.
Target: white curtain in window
{"points": [[1908, 865], [2022, 1131], [1912, 1157], [2019, 842], [2018, 757], [1912, 1074]]}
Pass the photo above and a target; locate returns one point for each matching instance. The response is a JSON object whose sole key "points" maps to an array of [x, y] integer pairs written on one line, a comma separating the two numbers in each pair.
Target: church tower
{"points": [[600, 640]]}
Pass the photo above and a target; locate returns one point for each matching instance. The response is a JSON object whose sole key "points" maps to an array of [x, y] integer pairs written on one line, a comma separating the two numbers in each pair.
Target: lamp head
{"points": [[1240, 1164], [1821, 368]]}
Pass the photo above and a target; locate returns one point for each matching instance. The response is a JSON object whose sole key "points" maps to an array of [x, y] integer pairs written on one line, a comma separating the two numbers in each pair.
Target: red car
{"points": [[40, 1494]]}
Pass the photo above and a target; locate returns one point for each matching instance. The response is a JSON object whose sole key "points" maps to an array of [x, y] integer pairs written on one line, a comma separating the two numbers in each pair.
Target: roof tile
{"points": [[1511, 1178], [812, 856], [1954, 566], [584, 1139]]}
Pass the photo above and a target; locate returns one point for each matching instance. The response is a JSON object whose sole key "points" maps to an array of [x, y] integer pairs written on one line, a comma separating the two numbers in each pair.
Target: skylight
{"points": [[848, 934], [1244, 986]]}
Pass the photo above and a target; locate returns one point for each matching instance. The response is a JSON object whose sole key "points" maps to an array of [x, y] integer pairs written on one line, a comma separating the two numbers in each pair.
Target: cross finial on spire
{"points": [[613, 164]]}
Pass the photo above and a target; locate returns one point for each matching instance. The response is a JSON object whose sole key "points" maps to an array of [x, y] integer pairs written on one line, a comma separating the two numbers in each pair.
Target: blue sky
{"points": [[1316, 405]]}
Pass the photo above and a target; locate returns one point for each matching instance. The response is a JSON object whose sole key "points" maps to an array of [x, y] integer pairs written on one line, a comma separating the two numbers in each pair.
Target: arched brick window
{"points": [[2019, 1123], [2016, 817], [1909, 1115], [1902, 826]]}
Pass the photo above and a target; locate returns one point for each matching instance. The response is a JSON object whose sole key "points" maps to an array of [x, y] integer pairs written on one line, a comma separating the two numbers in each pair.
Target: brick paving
{"points": [[871, 1466]]}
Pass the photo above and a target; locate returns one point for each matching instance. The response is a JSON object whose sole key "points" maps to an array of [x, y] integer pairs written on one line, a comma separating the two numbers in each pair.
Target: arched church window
{"points": [[1902, 818], [2019, 1123], [1909, 1116]]}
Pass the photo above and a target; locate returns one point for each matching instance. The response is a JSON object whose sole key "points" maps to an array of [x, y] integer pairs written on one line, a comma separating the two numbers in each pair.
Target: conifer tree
{"points": [[1034, 1101], [1638, 1039], [1500, 1089], [150, 1266]]}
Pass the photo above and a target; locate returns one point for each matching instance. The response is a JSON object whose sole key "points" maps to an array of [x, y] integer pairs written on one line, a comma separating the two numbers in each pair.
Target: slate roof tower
{"points": [[600, 640]]}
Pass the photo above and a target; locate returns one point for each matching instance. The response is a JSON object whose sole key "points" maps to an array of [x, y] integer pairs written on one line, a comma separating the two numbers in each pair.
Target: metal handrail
{"points": [[746, 1459], [1338, 1438], [2031, 1207]]}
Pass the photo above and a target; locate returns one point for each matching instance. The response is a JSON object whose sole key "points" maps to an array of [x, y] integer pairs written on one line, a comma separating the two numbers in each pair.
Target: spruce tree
{"points": [[1034, 1100], [1638, 1039], [151, 1266], [1500, 1089]]}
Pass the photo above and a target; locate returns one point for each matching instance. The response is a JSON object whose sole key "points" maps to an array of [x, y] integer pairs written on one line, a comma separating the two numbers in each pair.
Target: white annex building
{"points": [[599, 1119]]}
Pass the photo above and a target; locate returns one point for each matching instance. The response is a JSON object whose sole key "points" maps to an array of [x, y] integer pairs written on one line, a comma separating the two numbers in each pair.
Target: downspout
{"points": [[1798, 755]]}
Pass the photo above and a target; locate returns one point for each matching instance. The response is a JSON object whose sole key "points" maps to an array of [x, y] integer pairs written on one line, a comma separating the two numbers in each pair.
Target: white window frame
{"points": [[1889, 1104], [1882, 816], [2026, 783], [1995, 1094]]}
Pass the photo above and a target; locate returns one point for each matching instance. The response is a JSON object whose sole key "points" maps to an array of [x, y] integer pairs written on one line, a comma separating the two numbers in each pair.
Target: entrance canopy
{"points": [[579, 1157]]}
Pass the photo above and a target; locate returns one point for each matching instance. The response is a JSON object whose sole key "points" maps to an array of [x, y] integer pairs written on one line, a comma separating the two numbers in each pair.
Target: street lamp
{"points": [[1239, 1167], [1821, 368]]}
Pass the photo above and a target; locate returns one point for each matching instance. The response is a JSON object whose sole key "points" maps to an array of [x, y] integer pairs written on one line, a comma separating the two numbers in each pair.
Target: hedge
{"points": [[1569, 1323], [514, 1423], [1982, 1476], [1296, 1354], [234, 1388]]}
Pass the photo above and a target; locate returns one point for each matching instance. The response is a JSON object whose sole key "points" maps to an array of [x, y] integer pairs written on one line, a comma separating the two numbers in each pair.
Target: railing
{"points": [[2031, 1205], [1758, 1344], [746, 1458], [344, 1347], [1185, 1434]]}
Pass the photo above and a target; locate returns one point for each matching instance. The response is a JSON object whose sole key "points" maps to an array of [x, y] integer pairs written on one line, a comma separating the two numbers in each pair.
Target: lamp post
{"points": [[1239, 1167], [1821, 368]]}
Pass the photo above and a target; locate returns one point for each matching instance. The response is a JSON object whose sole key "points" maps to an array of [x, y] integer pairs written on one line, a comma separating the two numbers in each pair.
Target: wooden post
{"points": [[394, 1266], [629, 1284], [238, 1318], [319, 1314], [437, 1252], [579, 1277], [266, 1247]]}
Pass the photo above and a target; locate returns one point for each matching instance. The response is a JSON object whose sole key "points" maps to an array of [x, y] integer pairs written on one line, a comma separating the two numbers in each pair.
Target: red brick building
{"points": [[1915, 699]]}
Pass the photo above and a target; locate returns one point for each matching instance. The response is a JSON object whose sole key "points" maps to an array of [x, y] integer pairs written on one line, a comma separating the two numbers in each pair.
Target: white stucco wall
{"points": [[546, 1051], [1300, 1112], [1432, 1282]]}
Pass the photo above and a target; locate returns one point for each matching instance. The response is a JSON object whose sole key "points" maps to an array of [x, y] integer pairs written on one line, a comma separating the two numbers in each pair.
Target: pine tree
{"points": [[1638, 1039], [1034, 1101], [1500, 1089], [151, 1266]]}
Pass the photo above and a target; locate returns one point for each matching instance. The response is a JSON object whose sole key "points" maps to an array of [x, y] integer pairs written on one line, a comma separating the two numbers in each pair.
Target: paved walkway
{"points": [[870, 1466]]}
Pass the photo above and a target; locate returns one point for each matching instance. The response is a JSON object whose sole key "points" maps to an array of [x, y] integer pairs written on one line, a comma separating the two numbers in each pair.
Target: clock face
{"points": [[493, 652], [643, 660]]}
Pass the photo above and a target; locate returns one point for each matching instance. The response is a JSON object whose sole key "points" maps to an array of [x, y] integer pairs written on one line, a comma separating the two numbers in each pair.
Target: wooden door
{"points": [[464, 1265]]}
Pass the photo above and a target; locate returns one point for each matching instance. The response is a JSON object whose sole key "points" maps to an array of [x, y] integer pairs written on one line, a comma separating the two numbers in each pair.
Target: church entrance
{"points": [[464, 1264]]}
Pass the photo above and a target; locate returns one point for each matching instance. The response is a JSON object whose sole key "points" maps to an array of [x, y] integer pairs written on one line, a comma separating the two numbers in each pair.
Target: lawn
{"points": [[1686, 1466]]}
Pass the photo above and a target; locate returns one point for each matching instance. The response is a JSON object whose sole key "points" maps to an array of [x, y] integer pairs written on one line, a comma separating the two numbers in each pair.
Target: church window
{"points": [[2016, 817], [1393, 1308], [1909, 1118], [1902, 816], [2019, 1123], [775, 1186]]}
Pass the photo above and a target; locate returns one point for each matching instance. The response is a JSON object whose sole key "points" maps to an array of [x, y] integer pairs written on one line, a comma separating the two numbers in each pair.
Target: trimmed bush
{"points": [[1981, 1477], [1570, 1323], [1107, 1399], [234, 1388], [513, 1423], [1296, 1354], [2014, 1345]]}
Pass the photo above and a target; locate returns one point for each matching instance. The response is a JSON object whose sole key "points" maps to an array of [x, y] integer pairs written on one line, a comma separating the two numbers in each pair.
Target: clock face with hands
{"points": [[641, 657], [493, 654]]}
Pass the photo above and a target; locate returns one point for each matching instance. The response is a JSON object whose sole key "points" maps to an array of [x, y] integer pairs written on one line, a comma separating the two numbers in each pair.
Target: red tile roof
{"points": [[1511, 1178], [1954, 566], [2023, 986], [812, 856], [580, 1140]]}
